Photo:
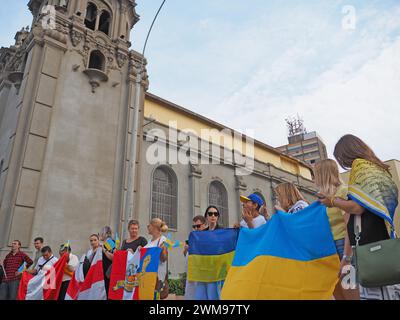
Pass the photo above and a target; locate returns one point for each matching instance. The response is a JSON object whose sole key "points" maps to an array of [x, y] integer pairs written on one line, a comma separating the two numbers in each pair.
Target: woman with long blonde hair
{"points": [[289, 198], [329, 183], [156, 228]]}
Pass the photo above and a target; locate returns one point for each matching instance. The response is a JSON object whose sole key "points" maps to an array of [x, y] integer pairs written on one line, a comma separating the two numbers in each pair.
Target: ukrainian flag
{"points": [[292, 257], [211, 254]]}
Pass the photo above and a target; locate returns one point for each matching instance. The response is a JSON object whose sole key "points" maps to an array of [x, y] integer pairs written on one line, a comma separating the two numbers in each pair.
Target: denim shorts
{"points": [[340, 248]]}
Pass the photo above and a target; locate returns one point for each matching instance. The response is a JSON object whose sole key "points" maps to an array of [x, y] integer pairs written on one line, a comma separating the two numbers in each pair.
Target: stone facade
{"points": [[66, 94]]}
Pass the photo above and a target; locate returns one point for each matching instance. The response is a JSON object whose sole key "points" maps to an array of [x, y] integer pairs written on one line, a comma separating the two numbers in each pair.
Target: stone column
{"points": [[241, 188], [195, 176]]}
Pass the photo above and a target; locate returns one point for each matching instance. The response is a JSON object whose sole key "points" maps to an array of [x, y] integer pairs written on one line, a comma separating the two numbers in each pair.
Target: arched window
{"points": [[97, 60], [91, 16], [217, 196], [105, 22], [164, 196]]}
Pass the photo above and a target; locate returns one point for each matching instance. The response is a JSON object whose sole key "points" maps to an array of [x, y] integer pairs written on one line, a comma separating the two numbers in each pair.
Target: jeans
{"points": [[340, 248], [9, 290]]}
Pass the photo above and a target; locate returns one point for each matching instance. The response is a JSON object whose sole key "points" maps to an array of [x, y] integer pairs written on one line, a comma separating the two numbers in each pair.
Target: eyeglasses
{"points": [[197, 226], [210, 214]]}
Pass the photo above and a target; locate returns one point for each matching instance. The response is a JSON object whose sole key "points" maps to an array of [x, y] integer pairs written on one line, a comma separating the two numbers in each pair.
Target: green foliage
{"points": [[177, 286]]}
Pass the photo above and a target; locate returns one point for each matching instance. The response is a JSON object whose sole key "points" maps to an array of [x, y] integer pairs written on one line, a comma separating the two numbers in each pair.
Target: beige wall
{"points": [[164, 113]]}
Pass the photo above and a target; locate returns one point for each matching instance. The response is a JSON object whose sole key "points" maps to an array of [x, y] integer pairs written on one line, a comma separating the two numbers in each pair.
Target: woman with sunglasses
{"points": [[199, 224], [210, 290], [212, 216]]}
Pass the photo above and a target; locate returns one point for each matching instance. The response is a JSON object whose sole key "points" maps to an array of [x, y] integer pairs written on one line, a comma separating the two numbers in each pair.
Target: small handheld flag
{"points": [[110, 245], [169, 243], [117, 242], [22, 268]]}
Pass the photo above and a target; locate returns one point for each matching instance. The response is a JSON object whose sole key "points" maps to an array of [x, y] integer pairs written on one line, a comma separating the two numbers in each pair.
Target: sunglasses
{"points": [[210, 214], [197, 226]]}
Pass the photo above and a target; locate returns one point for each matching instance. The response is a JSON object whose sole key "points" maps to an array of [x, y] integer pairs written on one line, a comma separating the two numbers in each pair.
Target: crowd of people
{"points": [[342, 211]]}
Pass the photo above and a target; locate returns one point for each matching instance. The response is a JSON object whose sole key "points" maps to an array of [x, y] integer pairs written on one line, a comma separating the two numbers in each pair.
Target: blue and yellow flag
{"points": [[109, 244], [211, 254], [22, 268], [292, 257], [117, 242]]}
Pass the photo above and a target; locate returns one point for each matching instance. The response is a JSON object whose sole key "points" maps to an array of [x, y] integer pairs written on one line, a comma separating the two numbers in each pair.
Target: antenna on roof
{"points": [[295, 126]]}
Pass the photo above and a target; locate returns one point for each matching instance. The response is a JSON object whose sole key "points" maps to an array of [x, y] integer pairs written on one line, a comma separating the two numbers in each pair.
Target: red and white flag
{"points": [[46, 285], [134, 276], [92, 286]]}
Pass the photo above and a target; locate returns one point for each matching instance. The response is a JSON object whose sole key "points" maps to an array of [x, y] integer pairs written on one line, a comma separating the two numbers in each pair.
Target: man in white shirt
{"points": [[72, 264], [251, 217], [45, 262]]}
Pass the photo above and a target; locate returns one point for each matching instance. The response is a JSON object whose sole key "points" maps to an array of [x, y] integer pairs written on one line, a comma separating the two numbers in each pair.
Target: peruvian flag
{"points": [[90, 287], [134, 276], [46, 285]]}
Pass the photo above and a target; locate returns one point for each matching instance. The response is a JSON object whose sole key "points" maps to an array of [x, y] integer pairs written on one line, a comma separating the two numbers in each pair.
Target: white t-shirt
{"points": [[298, 206], [46, 265], [257, 222], [162, 267], [72, 264]]}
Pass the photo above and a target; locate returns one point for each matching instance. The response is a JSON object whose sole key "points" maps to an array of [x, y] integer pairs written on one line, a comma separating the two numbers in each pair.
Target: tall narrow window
{"points": [[1, 167], [91, 16], [97, 60], [164, 196], [217, 196], [104, 23]]}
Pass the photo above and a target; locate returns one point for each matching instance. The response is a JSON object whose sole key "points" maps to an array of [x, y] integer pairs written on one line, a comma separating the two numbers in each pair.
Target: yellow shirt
{"points": [[336, 216]]}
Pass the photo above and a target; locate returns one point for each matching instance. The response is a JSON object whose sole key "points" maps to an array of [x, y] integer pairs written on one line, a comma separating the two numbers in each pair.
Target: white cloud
{"points": [[359, 93]]}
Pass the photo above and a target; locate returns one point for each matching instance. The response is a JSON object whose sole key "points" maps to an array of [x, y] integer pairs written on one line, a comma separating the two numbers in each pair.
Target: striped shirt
{"points": [[12, 262]]}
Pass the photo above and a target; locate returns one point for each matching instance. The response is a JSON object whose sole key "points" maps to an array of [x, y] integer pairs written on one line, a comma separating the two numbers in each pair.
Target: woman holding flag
{"points": [[135, 241], [108, 247], [372, 198], [328, 182], [156, 228]]}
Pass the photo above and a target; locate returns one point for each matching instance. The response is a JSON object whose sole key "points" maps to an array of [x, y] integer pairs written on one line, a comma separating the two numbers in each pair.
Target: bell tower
{"points": [[67, 99]]}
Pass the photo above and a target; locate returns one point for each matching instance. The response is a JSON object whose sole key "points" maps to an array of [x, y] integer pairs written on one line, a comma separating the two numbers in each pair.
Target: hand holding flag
{"points": [[22, 268]]}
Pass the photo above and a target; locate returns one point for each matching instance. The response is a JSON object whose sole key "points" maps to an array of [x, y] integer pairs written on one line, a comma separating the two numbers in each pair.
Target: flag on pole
{"points": [[92, 286], [117, 242], [291, 257], [134, 276], [45, 285]]}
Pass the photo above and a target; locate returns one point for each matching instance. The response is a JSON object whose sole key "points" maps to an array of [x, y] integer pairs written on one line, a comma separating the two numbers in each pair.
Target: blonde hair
{"points": [[288, 195], [327, 178], [159, 224]]}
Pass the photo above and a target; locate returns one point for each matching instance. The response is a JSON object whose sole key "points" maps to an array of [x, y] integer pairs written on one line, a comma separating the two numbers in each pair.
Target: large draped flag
{"points": [[46, 285], [134, 276], [292, 257], [92, 286], [211, 254]]}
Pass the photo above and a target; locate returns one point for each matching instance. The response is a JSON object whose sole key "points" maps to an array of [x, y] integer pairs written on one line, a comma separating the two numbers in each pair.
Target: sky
{"points": [[252, 64]]}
